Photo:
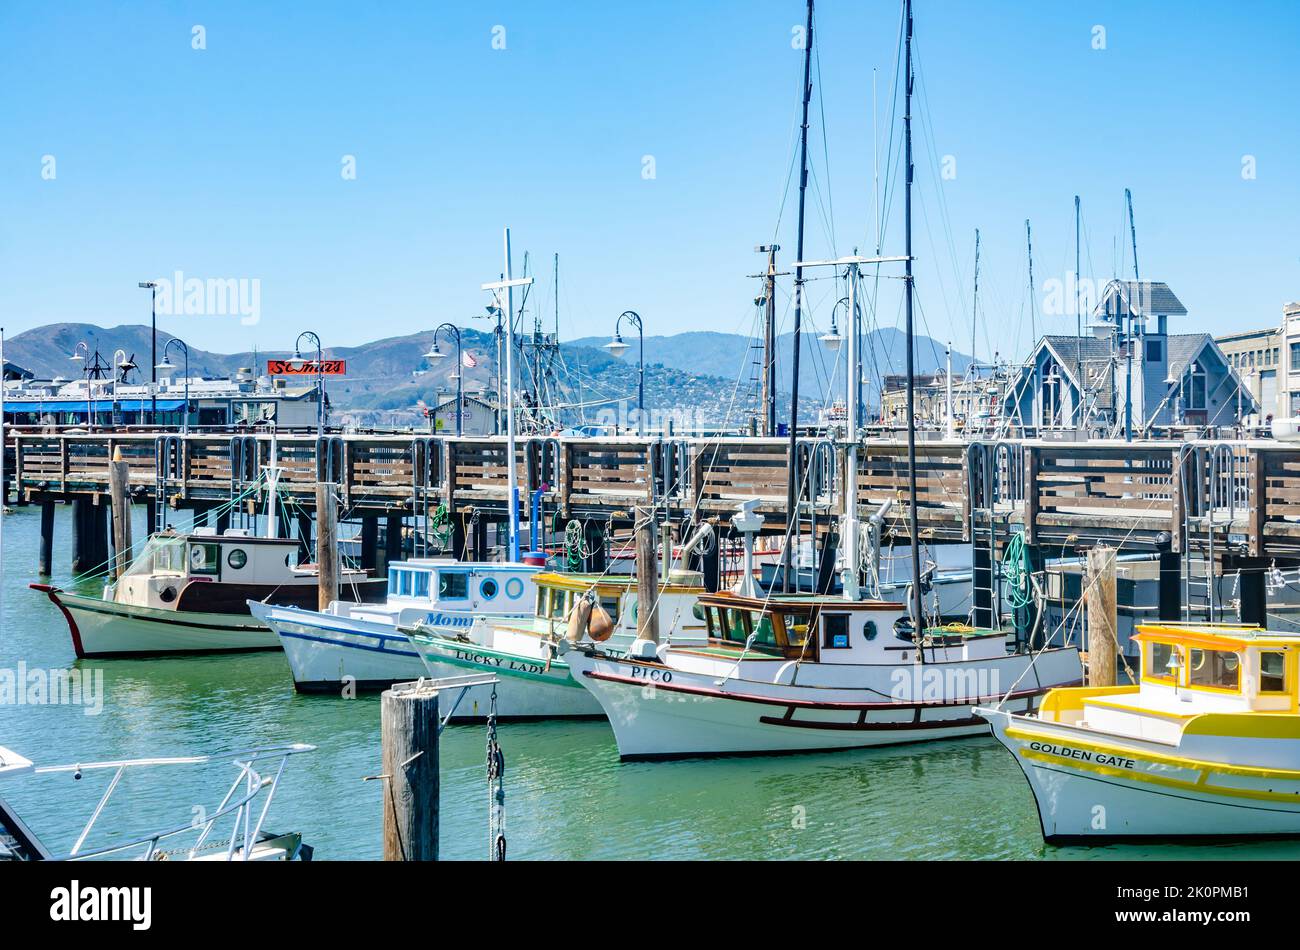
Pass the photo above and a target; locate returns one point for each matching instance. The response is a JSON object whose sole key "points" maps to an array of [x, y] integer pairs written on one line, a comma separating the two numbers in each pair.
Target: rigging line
{"points": [[826, 152]]}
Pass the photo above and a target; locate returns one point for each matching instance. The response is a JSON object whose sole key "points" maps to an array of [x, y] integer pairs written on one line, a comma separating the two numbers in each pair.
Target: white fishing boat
{"points": [[188, 593], [534, 682], [1206, 743], [809, 673], [231, 830], [359, 645]]}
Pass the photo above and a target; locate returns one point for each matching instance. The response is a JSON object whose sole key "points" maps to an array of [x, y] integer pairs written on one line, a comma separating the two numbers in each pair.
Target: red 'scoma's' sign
{"points": [[306, 368]]}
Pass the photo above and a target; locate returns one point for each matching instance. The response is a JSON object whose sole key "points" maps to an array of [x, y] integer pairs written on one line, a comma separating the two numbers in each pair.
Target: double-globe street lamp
{"points": [[435, 354], [168, 367]]}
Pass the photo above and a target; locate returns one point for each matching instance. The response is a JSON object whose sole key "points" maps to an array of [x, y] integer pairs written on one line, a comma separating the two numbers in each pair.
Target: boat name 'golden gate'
{"points": [[1083, 755]]}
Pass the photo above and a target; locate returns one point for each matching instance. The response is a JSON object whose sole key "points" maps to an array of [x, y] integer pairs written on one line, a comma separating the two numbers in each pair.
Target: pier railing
{"points": [[1149, 493]]}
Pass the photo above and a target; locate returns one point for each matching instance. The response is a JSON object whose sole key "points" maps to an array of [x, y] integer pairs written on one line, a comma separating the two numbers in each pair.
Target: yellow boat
{"points": [[1207, 742]]}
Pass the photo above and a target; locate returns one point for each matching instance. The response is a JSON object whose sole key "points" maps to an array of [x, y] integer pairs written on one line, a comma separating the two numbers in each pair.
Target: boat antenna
{"points": [[791, 519], [1033, 300], [1133, 235], [918, 621]]}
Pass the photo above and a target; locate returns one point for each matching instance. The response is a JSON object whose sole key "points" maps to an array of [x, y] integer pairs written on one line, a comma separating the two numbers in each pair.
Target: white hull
{"points": [[327, 653], [657, 712], [1132, 788], [104, 628]]}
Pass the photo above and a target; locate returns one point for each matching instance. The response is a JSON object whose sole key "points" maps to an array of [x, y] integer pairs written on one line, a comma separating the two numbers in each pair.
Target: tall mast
{"points": [[769, 341], [975, 301], [1132, 230], [917, 615], [1078, 309], [1033, 300], [792, 515], [512, 488]]}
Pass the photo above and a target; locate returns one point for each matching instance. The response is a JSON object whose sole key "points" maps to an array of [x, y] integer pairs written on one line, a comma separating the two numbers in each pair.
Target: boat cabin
{"points": [[1188, 671], [1223, 668], [171, 562], [557, 593], [813, 628], [462, 586]]}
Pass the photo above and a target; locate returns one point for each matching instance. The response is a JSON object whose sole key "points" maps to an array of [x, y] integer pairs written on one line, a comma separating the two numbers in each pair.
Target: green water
{"points": [[567, 795]]}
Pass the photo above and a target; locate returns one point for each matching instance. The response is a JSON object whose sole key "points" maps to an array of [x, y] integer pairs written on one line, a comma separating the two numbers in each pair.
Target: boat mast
{"points": [[918, 618], [792, 515], [1033, 300], [975, 300]]}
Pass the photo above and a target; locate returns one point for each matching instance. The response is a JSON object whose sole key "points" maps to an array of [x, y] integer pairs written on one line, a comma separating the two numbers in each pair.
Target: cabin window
{"points": [[735, 624], [421, 584], [169, 557], [1217, 669], [204, 559], [835, 631], [1159, 657], [453, 585], [404, 583], [237, 558], [764, 633], [488, 589], [611, 607], [1272, 672], [796, 629]]}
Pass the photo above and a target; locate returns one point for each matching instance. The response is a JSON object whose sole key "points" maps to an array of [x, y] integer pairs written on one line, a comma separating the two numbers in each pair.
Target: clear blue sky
{"points": [[225, 162]]}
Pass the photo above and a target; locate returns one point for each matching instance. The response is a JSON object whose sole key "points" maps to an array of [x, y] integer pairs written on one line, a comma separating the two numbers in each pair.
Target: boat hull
{"points": [[102, 628], [1089, 789], [329, 653], [527, 687], [658, 712]]}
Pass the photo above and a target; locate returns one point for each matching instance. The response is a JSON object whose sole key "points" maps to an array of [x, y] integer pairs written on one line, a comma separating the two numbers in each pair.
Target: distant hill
{"points": [[712, 374]]}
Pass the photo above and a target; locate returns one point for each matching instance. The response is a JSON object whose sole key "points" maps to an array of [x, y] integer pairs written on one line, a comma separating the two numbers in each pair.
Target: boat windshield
{"points": [[161, 555]]}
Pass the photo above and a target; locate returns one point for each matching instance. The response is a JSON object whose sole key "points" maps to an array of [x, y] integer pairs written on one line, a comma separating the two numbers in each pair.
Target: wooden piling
{"points": [[392, 539], [119, 487], [647, 576], [327, 548], [45, 553], [409, 727], [370, 543], [1103, 645]]}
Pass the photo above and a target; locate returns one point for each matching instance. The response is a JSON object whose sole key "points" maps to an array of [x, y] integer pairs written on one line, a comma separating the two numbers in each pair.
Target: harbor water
{"points": [[567, 794]]}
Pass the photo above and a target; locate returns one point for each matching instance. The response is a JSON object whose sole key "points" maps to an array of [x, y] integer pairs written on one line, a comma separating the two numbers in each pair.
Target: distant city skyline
{"points": [[349, 169]]}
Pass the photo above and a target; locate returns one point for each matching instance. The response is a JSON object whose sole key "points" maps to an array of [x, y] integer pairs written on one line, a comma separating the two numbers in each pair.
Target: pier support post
{"points": [[1103, 637], [303, 520], [459, 546], [393, 540], [370, 543], [119, 477], [409, 727], [1252, 607], [1170, 587], [647, 576], [595, 541], [89, 537], [45, 553], [327, 548]]}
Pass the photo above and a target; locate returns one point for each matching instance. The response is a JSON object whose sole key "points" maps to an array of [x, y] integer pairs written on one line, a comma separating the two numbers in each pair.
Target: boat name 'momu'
{"points": [[1083, 755]]}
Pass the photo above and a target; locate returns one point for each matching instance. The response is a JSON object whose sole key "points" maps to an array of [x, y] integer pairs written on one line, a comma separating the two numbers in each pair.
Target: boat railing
{"points": [[240, 801]]}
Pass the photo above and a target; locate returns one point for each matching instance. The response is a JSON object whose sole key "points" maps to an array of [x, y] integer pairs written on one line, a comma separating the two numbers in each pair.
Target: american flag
{"points": [[467, 358]]}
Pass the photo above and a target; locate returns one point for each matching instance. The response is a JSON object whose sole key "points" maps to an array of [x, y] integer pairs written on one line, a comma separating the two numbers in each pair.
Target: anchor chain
{"points": [[496, 768]]}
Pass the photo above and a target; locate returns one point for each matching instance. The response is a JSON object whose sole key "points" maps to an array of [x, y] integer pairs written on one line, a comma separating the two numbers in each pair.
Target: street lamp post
{"points": [[617, 348], [436, 354], [320, 375], [76, 357], [152, 287], [168, 367]]}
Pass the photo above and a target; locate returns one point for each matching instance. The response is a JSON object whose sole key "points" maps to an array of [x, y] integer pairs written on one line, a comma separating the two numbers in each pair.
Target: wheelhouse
{"points": [[1244, 667], [459, 585], [825, 629]]}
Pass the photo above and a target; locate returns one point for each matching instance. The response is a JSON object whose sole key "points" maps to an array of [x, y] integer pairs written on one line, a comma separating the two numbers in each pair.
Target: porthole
{"points": [[237, 558], [514, 588], [488, 589], [167, 595], [870, 630]]}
